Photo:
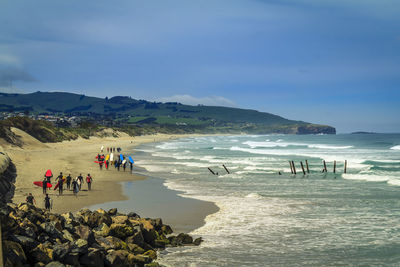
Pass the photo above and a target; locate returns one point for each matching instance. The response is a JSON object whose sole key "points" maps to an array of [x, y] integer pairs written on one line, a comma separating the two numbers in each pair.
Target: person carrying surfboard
{"points": [[80, 180], [44, 185], [75, 186], [48, 175], [30, 199], [89, 180], [48, 202]]}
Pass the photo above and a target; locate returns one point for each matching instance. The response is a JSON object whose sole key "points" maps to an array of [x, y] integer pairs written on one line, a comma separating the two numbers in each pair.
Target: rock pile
{"points": [[35, 237]]}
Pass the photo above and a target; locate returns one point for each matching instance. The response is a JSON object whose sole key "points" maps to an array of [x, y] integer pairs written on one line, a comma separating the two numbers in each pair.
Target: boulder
{"points": [[13, 254], [113, 211], [102, 230], [121, 231], [150, 236], [42, 254], [198, 241], [133, 215], [51, 228], [111, 242], [69, 218], [157, 223], [95, 218], [166, 229], [61, 251], [135, 249], [72, 258], [151, 253], [121, 219], [184, 239], [27, 243], [93, 258], [81, 245], [67, 236], [140, 260], [137, 238], [116, 258], [55, 264], [85, 233]]}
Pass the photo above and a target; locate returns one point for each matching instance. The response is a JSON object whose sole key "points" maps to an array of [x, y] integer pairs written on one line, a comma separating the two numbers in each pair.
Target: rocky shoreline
{"points": [[35, 237]]}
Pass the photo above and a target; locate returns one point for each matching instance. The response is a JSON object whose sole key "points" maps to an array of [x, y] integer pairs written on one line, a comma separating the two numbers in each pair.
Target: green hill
{"points": [[125, 111]]}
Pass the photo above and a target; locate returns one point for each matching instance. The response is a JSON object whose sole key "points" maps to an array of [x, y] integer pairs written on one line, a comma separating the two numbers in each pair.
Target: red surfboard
{"points": [[40, 183], [48, 173]]}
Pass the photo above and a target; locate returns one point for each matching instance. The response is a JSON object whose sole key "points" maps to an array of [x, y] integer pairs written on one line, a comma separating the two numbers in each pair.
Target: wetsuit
{"points": [[69, 182], [47, 203], [44, 186], [29, 199]]}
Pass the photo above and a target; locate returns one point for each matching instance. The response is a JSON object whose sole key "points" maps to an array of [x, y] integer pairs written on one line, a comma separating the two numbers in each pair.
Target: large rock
{"points": [[27, 243], [111, 242], [85, 233], [121, 219], [51, 229], [72, 258], [102, 230], [42, 254], [140, 260], [55, 264], [150, 236], [93, 258], [113, 211], [60, 251], [121, 231], [116, 258], [166, 229], [13, 254], [136, 238]]}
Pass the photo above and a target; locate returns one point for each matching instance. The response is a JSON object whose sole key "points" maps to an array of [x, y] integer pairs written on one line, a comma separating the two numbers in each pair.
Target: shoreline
{"points": [[77, 156]]}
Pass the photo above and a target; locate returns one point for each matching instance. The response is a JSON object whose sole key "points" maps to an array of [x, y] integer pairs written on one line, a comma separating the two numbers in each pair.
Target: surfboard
{"points": [[124, 161], [58, 183], [121, 157], [130, 159], [48, 173], [107, 157], [101, 148], [111, 156], [40, 183]]}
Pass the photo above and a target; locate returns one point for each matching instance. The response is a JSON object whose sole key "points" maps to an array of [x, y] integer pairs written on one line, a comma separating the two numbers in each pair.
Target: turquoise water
{"points": [[267, 219]]}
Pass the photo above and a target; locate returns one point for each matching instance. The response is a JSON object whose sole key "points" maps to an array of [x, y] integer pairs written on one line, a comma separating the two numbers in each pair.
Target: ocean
{"points": [[271, 219]]}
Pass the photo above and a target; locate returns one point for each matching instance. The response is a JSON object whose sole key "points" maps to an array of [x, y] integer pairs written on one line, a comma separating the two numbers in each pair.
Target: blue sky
{"points": [[333, 62]]}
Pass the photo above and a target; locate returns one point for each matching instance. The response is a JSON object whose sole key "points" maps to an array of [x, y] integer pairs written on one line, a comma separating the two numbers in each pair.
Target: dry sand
{"points": [[74, 157]]}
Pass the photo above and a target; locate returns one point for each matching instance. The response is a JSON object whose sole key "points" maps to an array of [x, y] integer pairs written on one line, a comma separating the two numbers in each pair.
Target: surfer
{"points": [[47, 202], [60, 183], [124, 165], [89, 180], [130, 165], [75, 187], [30, 199], [69, 181], [44, 185], [48, 175], [80, 180]]}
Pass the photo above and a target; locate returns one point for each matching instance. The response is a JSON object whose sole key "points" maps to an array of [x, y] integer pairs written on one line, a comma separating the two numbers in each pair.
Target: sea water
{"points": [[268, 219]]}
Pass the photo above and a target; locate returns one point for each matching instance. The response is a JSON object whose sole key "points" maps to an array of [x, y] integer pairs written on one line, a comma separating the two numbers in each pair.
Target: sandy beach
{"points": [[74, 157]]}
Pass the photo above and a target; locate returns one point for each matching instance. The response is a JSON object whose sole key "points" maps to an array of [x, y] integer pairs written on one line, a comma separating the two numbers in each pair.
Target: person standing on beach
{"points": [[69, 181], [44, 185], [60, 183], [30, 199], [75, 187], [80, 180], [47, 202], [89, 180], [131, 165], [124, 165]]}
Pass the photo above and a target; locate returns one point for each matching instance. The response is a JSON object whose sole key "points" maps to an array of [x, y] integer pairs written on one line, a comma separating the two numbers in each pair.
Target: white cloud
{"points": [[9, 60], [191, 100]]}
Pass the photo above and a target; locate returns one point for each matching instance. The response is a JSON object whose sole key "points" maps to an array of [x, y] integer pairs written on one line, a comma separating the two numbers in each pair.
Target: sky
{"points": [[334, 62]]}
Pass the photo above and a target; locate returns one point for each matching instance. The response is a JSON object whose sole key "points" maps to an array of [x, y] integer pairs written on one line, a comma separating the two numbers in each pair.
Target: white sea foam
{"points": [[319, 146], [365, 177], [395, 147]]}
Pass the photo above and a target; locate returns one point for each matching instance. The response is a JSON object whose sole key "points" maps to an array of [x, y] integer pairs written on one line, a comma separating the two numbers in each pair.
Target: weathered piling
{"points": [[308, 170], [334, 166], [302, 167], [211, 171], [226, 169], [291, 168], [345, 166], [294, 168], [325, 167]]}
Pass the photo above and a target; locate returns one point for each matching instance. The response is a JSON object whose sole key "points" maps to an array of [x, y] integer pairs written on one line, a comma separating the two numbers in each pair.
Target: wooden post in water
{"points": [[334, 166], [294, 168], [308, 170], [225, 168], [211, 171], [302, 167], [325, 167], [345, 166], [291, 168]]}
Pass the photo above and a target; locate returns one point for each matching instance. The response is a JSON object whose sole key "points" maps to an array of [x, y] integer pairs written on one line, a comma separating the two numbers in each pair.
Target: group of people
{"points": [[111, 149], [71, 184], [101, 159]]}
